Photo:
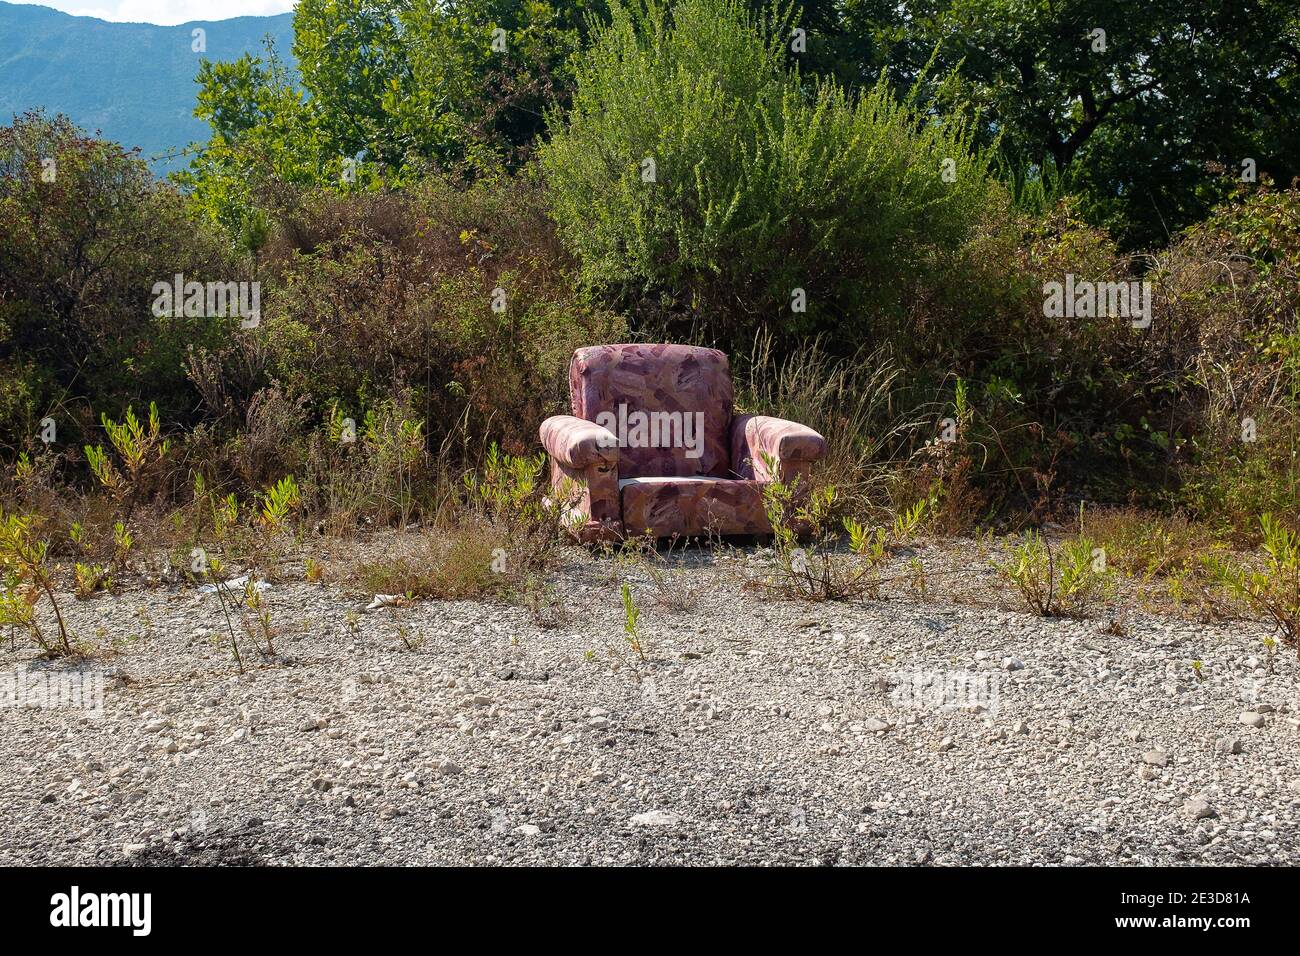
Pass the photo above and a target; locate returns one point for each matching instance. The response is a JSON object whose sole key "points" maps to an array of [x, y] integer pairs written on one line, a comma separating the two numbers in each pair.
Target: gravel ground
{"points": [[896, 731]]}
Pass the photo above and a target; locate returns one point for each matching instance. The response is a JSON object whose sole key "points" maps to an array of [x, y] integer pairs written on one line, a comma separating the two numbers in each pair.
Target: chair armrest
{"points": [[791, 446], [578, 443]]}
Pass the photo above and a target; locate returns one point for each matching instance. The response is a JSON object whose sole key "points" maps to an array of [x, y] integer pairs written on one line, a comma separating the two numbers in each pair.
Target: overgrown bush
{"points": [[693, 165], [85, 233], [458, 301], [1234, 293], [808, 562]]}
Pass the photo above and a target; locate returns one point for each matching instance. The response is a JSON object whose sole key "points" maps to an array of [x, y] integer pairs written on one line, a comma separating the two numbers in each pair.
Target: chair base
{"points": [[692, 507]]}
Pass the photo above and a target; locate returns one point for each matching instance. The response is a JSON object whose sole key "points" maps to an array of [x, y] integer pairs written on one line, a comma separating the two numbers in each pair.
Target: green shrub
{"points": [[761, 184], [82, 243], [1233, 291], [807, 562], [1273, 588], [1066, 580], [26, 576]]}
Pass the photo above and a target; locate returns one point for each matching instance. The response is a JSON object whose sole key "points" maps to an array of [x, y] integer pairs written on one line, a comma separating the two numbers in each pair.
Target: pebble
{"points": [[656, 818], [1053, 772], [1156, 758]]}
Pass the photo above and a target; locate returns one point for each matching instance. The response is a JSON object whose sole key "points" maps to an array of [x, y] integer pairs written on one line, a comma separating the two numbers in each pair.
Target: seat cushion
{"points": [[669, 405], [692, 506]]}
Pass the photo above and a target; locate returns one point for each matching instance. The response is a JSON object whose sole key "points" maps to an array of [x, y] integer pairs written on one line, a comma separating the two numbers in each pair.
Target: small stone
{"points": [[528, 829], [155, 726], [598, 723], [1012, 663], [944, 745], [448, 768], [506, 673], [1147, 773], [1252, 719], [1156, 758], [321, 784], [1228, 745], [874, 725], [1020, 727], [131, 849], [1198, 808], [656, 818]]}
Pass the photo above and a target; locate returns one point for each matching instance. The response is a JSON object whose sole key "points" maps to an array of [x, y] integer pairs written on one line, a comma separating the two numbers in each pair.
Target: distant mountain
{"points": [[132, 82]]}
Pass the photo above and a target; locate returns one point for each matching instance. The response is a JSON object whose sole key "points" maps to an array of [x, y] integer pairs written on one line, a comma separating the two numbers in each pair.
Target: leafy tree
{"points": [[263, 132], [352, 59], [390, 90], [1142, 121], [486, 71]]}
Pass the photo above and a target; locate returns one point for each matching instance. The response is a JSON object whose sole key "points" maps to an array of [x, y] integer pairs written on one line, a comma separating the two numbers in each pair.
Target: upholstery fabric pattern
{"points": [[681, 385], [578, 443], [786, 443], [719, 505]]}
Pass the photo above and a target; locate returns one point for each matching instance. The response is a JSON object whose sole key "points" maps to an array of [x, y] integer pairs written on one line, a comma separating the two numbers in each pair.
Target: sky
{"points": [[168, 12]]}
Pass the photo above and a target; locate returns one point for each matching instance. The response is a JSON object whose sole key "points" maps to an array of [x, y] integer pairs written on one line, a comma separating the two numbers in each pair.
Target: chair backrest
{"points": [[669, 405]]}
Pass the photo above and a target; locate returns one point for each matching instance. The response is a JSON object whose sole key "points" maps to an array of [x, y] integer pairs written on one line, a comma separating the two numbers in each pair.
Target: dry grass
{"points": [[1148, 544], [453, 563], [850, 402]]}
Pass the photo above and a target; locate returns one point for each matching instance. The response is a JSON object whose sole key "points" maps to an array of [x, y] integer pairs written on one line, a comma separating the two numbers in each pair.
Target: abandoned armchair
{"points": [[653, 445]]}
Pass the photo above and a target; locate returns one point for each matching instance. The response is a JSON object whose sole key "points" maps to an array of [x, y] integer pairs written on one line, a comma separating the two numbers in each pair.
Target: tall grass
{"points": [[849, 401]]}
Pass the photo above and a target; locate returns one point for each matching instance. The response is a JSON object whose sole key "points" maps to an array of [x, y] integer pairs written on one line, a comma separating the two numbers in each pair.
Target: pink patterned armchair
{"points": [[653, 445]]}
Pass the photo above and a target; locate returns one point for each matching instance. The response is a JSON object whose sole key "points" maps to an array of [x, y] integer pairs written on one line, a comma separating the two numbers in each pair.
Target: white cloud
{"points": [[169, 12]]}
